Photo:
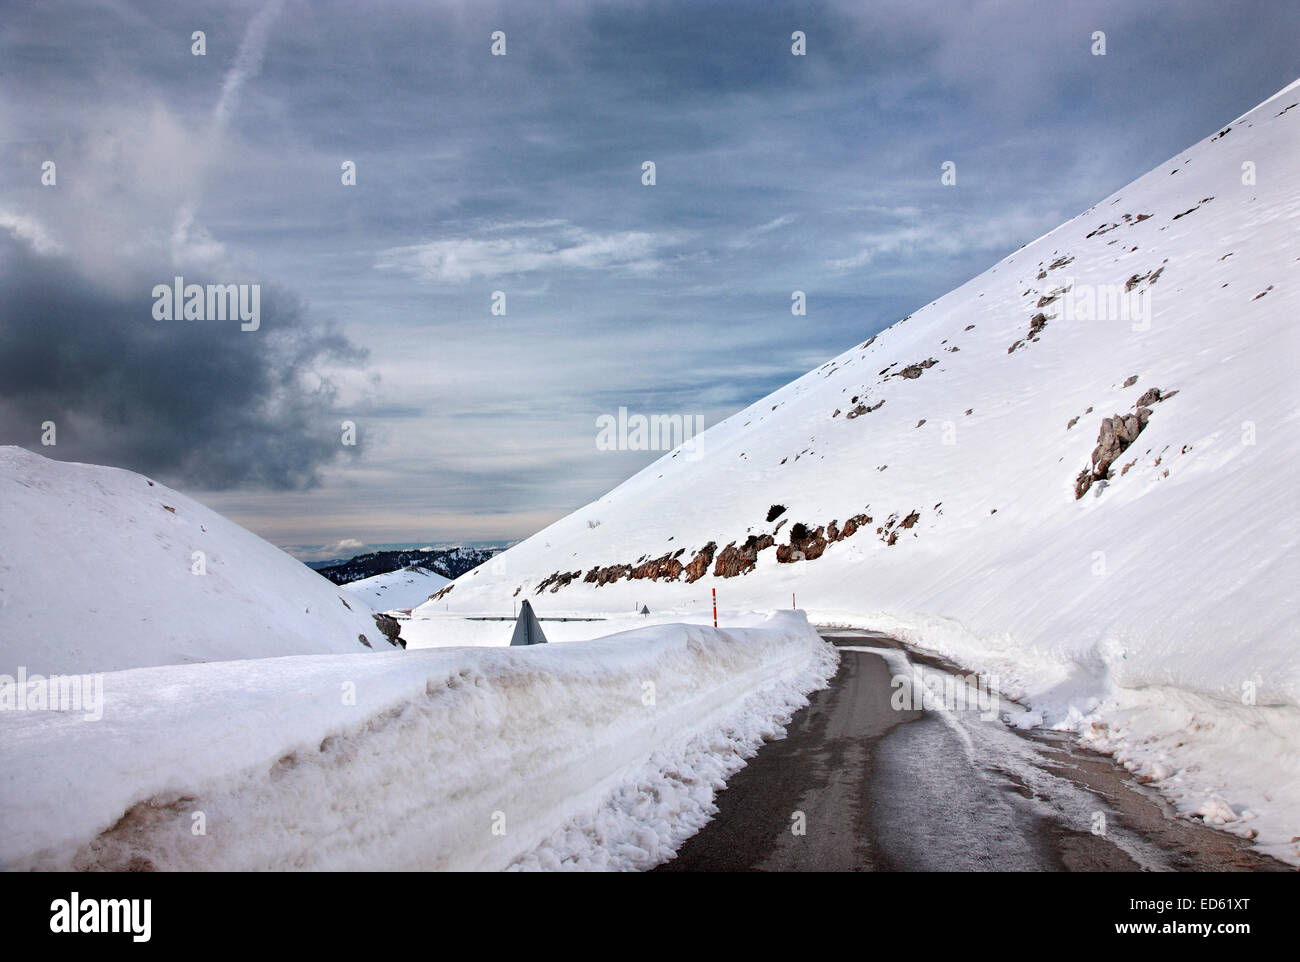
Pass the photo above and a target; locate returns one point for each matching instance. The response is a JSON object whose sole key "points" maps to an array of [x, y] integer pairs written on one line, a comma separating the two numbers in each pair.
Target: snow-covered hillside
{"points": [[1075, 471], [397, 590], [103, 569]]}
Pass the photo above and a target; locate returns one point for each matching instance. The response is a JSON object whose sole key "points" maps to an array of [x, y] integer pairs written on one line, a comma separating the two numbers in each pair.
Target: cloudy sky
{"points": [[523, 174]]}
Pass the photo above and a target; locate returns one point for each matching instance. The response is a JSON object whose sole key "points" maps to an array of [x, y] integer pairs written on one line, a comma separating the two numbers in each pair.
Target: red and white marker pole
{"points": [[715, 607]]}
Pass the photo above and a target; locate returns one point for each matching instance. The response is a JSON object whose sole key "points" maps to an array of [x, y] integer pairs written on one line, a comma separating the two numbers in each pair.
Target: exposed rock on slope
{"points": [[1117, 433]]}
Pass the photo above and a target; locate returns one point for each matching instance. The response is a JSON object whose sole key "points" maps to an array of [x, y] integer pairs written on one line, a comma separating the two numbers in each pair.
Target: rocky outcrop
{"points": [[666, 567], [557, 581], [699, 565], [1153, 395], [734, 560], [391, 629], [1116, 434], [603, 576], [862, 409], [805, 544], [913, 371], [1036, 324], [888, 531], [850, 527], [1150, 277]]}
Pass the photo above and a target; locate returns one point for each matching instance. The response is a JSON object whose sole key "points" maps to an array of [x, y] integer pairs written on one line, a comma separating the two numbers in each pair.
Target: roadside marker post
{"points": [[715, 607]]}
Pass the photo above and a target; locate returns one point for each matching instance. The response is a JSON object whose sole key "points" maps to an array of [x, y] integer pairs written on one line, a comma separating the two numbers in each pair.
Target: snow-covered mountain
{"points": [[1075, 472], [397, 590], [447, 562], [165, 581]]}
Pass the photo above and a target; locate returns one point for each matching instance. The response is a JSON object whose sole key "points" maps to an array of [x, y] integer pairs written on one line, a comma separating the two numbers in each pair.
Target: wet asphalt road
{"points": [[879, 789]]}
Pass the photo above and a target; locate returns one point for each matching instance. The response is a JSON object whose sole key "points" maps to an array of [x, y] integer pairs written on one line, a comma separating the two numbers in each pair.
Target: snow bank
{"points": [[596, 754], [103, 569]]}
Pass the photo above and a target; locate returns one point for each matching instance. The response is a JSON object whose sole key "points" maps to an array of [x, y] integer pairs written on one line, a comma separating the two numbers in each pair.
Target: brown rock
{"points": [[913, 371], [805, 545], [734, 561]]}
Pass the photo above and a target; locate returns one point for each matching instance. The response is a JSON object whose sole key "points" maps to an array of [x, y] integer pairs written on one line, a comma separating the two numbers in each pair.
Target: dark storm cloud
{"points": [[199, 402]]}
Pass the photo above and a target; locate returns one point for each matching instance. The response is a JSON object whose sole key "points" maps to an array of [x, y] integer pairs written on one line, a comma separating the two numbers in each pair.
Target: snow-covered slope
{"points": [[103, 569], [955, 477], [396, 590]]}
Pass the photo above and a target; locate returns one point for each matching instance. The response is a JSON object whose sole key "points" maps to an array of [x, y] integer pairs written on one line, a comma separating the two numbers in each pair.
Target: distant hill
{"points": [[451, 563], [401, 589], [103, 569]]}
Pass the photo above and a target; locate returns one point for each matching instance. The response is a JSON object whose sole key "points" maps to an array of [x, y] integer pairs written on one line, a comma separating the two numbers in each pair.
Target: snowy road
{"points": [[879, 789]]}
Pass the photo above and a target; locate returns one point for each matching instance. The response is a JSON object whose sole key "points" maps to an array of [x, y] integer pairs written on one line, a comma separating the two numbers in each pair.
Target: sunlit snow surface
{"points": [[396, 590]]}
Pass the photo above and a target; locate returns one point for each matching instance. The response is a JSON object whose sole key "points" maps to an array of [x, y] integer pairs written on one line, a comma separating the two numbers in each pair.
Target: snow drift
{"points": [[1075, 471], [597, 754], [103, 569]]}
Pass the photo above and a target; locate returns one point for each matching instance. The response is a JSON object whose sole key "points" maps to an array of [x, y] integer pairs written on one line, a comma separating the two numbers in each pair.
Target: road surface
{"points": [[879, 789]]}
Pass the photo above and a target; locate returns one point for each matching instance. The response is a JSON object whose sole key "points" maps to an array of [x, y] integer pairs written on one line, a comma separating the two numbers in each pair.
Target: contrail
{"points": [[248, 61]]}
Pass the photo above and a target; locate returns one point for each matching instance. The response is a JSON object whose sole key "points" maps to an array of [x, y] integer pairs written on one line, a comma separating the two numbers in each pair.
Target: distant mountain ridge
{"points": [[449, 562]]}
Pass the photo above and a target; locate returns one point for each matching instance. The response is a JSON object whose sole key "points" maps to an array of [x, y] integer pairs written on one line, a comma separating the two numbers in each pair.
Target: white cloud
{"points": [[930, 235], [338, 547], [540, 246], [32, 231], [193, 245], [774, 224]]}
